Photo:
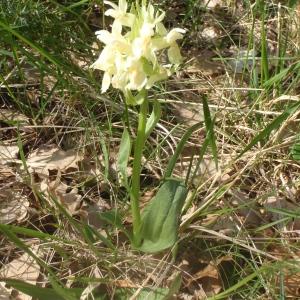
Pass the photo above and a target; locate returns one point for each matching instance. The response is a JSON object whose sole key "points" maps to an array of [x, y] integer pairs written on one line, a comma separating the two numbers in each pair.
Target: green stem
{"points": [[135, 185]]}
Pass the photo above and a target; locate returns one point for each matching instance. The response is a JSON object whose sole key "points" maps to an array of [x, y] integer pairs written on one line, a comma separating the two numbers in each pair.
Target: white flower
{"points": [[131, 59], [136, 75], [119, 13]]}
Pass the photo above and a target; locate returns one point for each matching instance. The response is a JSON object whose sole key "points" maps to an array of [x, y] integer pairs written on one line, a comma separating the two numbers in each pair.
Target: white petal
{"points": [[175, 34], [105, 60], [119, 81], [96, 64], [123, 5], [159, 43], [147, 30], [137, 47], [162, 75], [161, 29], [137, 77], [160, 18], [174, 54], [151, 11], [112, 13], [105, 82], [104, 36], [127, 20], [116, 28]]}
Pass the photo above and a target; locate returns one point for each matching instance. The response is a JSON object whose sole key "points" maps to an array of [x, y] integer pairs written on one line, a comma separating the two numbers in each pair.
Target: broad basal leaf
{"points": [[160, 218]]}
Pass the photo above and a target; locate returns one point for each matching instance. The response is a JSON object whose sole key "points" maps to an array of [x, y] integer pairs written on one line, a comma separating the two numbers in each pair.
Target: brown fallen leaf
{"points": [[212, 3], [24, 268], [207, 169], [204, 66], [187, 113], [9, 115], [13, 206], [208, 278], [51, 157], [243, 60], [6, 173], [279, 203], [66, 195], [8, 153], [90, 212]]}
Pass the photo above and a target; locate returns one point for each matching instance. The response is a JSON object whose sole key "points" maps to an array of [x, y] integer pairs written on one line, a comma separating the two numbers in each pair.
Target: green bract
{"points": [[130, 58]]}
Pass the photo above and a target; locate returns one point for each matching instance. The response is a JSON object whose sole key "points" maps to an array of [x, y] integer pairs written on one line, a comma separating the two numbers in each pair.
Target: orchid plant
{"points": [[132, 63]]}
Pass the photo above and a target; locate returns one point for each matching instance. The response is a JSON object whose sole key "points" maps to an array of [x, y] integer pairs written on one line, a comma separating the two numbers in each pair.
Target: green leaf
{"points": [[160, 218], [209, 123], [153, 119], [137, 99], [38, 292], [295, 153], [123, 156], [272, 126]]}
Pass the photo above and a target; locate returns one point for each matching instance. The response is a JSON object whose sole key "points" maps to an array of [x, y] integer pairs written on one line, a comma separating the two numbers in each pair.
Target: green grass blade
{"points": [[264, 47], [38, 292], [180, 146], [272, 126], [77, 4], [34, 233], [40, 50], [209, 123], [278, 78], [51, 276], [201, 154], [241, 283]]}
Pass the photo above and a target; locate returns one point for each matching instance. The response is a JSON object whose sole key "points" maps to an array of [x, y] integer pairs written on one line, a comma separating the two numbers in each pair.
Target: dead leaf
{"points": [[279, 203], [187, 113], [91, 212], [208, 278], [66, 195], [243, 60], [24, 268], [5, 173], [9, 115], [13, 206], [4, 293], [204, 67], [210, 34], [51, 157], [212, 3], [8, 153], [207, 169], [245, 208], [49, 162]]}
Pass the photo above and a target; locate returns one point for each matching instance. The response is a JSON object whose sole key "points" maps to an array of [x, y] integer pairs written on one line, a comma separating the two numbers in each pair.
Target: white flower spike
{"points": [[130, 58]]}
